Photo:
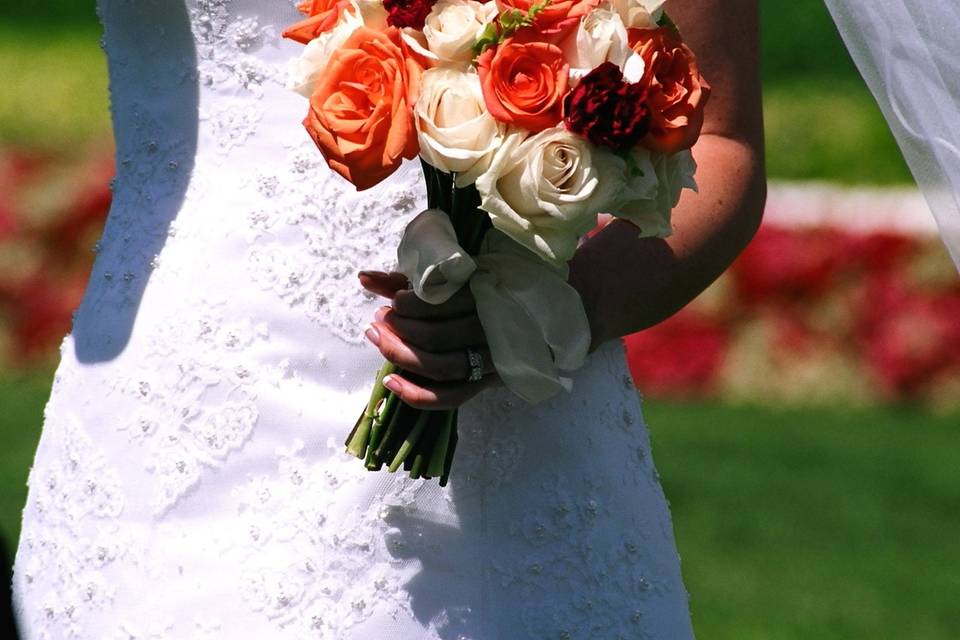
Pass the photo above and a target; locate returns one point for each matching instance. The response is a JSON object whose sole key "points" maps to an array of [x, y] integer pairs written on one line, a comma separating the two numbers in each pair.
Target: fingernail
{"points": [[372, 274], [391, 382], [381, 313], [373, 335]]}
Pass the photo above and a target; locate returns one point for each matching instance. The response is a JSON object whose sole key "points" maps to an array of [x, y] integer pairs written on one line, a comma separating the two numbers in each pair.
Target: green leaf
{"points": [[667, 22]]}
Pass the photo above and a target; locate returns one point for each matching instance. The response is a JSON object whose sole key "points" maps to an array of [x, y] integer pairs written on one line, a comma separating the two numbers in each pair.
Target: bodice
{"points": [[216, 176]]}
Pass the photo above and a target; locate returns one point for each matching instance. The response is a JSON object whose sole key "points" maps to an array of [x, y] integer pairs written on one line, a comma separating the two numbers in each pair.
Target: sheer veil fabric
{"points": [[908, 54]]}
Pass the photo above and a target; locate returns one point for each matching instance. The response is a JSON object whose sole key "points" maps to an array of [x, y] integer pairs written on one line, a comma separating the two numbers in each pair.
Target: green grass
{"points": [[792, 524], [834, 133], [826, 524], [54, 93], [22, 400]]}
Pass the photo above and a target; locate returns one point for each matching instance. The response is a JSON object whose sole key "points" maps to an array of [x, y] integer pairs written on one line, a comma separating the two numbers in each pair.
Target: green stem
{"points": [[357, 442], [438, 454], [384, 416], [410, 441], [448, 463]]}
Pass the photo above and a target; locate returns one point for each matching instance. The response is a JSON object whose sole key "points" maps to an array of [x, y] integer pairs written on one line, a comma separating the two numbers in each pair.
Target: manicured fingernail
{"points": [[391, 382], [373, 335], [381, 313]]}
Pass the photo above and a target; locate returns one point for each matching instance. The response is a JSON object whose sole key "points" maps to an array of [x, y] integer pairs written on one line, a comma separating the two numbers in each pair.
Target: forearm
{"points": [[627, 283], [630, 283]]}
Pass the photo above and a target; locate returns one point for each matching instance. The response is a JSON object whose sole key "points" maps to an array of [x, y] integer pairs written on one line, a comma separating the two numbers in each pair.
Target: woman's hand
{"points": [[430, 342]]}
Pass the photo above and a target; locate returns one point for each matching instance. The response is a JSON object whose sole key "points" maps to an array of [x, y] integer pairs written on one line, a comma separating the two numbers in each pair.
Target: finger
{"points": [[449, 396], [448, 334], [452, 366], [383, 284], [407, 304]]}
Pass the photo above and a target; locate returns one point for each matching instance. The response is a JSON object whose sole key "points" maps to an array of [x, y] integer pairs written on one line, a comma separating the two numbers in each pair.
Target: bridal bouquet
{"points": [[530, 117]]}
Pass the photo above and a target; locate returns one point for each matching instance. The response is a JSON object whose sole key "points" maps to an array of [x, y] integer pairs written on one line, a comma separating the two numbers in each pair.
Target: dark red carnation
{"points": [[607, 110], [407, 13]]}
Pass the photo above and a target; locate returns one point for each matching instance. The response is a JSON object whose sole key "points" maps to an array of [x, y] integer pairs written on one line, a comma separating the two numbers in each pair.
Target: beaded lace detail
{"points": [[74, 503], [310, 233]]}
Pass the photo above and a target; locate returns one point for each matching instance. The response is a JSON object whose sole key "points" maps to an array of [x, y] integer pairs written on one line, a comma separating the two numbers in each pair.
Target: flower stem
{"points": [[359, 438], [438, 454], [410, 441]]}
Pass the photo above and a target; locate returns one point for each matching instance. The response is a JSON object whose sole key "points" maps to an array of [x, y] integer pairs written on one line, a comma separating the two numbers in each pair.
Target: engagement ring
{"points": [[476, 365]]}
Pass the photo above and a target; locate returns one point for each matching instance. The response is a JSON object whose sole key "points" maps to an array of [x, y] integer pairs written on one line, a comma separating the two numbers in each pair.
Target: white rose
{"points": [[453, 26], [545, 191], [457, 134], [303, 72], [639, 14], [653, 186], [601, 37]]}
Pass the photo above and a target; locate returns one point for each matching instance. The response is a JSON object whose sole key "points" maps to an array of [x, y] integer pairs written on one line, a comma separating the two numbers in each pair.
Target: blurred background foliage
{"points": [[794, 522]]}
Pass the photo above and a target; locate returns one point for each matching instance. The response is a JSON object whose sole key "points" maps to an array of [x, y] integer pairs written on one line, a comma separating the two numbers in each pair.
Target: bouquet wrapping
{"points": [[531, 117]]}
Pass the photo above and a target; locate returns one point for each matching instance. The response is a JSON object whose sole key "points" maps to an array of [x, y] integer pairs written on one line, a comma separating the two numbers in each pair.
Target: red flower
{"points": [[322, 15], [677, 93], [680, 356], [407, 13], [524, 83], [908, 336], [607, 110], [786, 264], [556, 19]]}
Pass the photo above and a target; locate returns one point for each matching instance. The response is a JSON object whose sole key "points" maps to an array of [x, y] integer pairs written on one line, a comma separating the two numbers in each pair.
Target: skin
{"points": [[627, 283]]}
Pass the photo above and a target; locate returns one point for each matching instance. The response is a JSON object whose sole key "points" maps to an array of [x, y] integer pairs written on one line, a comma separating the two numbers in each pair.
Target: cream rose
{"points": [[303, 72], [652, 189], [638, 14], [453, 26], [544, 191], [457, 134], [600, 37]]}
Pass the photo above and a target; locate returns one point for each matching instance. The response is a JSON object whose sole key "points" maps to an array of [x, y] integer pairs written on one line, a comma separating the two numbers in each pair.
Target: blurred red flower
{"points": [[681, 356]]}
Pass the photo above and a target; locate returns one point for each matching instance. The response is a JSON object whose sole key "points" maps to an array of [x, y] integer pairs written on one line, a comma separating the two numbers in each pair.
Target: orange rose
{"points": [[524, 83], [677, 92], [361, 111], [322, 15], [559, 17]]}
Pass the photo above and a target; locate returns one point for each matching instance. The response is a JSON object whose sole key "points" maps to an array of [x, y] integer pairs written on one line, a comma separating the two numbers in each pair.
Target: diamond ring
{"points": [[475, 360]]}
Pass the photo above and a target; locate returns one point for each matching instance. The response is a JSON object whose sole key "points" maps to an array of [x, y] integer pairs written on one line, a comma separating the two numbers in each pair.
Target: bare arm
{"points": [[628, 283]]}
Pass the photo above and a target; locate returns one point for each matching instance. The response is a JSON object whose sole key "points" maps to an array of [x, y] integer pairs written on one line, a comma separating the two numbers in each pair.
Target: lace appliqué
{"points": [[565, 544], [70, 533], [316, 566], [311, 232], [227, 65], [226, 46], [198, 405]]}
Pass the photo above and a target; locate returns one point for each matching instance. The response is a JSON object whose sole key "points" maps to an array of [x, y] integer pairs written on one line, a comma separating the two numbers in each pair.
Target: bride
{"points": [[191, 482]]}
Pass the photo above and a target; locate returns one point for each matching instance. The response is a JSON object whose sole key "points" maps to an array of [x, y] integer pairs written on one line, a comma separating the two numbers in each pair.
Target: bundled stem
{"points": [[388, 431]]}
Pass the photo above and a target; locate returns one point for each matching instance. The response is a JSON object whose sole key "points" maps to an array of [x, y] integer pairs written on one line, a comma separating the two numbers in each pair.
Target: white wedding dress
{"points": [[191, 480]]}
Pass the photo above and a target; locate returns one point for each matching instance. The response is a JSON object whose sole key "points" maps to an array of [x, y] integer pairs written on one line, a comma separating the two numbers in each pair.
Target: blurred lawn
{"points": [[792, 524], [826, 524], [821, 122]]}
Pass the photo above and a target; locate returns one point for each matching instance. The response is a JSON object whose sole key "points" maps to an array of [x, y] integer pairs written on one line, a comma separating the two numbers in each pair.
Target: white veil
{"points": [[908, 51]]}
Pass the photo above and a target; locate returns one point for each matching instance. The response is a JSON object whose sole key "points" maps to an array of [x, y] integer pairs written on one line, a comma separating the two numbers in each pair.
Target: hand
{"points": [[428, 341]]}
